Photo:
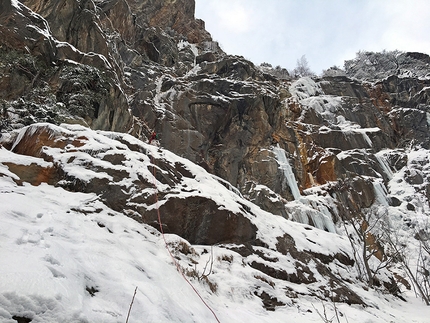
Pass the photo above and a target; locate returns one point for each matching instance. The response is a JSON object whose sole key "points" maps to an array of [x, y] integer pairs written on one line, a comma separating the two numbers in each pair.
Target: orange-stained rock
{"points": [[326, 171], [34, 174], [36, 137]]}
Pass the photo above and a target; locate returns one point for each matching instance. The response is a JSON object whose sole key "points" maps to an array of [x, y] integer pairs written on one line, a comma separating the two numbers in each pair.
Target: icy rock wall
{"points": [[137, 68]]}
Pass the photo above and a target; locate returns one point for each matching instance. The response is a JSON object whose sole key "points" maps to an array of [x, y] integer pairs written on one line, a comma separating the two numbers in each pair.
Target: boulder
{"points": [[201, 221]]}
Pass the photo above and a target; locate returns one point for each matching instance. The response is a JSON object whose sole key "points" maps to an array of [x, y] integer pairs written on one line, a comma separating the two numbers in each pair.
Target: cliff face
{"points": [[338, 153]]}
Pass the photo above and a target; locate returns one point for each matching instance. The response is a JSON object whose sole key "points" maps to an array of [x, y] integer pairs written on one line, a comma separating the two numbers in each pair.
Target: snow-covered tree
{"points": [[334, 71], [378, 65], [370, 65]]}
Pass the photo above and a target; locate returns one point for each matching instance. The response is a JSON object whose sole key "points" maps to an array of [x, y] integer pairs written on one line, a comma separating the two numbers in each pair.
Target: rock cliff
{"points": [[345, 153]]}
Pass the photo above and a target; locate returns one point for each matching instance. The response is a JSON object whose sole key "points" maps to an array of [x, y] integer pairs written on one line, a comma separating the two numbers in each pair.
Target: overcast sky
{"points": [[327, 32]]}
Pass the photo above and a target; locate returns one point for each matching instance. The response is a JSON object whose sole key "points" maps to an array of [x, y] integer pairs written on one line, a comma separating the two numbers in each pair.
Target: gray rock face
{"points": [[59, 83], [216, 110], [219, 111]]}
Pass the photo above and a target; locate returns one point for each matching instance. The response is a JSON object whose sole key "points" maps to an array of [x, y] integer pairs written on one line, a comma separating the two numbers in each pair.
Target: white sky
{"points": [[327, 31]]}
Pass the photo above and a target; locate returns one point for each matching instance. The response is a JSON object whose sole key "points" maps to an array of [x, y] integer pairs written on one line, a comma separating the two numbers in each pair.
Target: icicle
{"points": [[19, 137], [380, 192], [28, 131], [367, 139], [285, 166]]}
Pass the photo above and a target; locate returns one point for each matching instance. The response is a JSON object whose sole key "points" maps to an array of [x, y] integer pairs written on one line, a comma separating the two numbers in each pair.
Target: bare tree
{"points": [[394, 250], [421, 278], [302, 69], [370, 229], [423, 268]]}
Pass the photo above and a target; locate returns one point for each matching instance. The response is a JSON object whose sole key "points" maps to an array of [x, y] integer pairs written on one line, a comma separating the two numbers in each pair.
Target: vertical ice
{"points": [[157, 97], [367, 139], [380, 192], [384, 164], [285, 166], [195, 51], [311, 211]]}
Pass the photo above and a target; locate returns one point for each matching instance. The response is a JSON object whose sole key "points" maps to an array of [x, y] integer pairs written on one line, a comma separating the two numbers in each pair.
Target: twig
{"points": [[131, 305], [323, 317]]}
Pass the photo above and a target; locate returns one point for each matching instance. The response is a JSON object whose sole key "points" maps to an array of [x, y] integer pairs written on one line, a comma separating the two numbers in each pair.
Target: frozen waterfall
{"points": [[382, 159], [285, 166], [311, 211], [380, 192], [304, 210]]}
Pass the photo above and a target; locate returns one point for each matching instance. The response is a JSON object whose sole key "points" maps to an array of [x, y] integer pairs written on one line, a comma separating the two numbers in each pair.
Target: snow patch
{"points": [[67, 257]]}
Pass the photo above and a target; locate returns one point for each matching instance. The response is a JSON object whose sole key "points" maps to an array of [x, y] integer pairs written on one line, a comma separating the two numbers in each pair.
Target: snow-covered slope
{"points": [[68, 257]]}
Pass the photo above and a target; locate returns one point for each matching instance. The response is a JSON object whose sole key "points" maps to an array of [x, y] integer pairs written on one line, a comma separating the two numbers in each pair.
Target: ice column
{"points": [[384, 164], [285, 166], [380, 192]]}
